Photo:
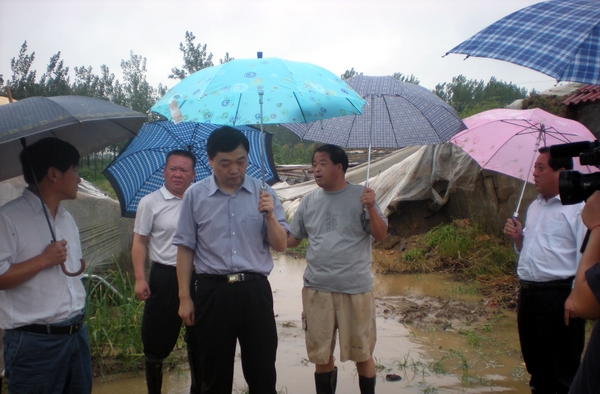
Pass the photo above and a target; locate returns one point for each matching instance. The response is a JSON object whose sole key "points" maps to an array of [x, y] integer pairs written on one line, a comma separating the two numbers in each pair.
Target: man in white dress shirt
{"points": [[41, 308], [552, 338]]}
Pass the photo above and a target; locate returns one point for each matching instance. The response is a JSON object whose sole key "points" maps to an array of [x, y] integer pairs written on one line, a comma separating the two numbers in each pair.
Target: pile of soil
{"points": [[437, 313]]}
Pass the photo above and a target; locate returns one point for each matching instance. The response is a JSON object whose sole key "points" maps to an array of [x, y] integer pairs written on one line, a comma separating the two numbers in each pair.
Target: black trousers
{"points": [[161, 323], [229, 312], [551, 350]]}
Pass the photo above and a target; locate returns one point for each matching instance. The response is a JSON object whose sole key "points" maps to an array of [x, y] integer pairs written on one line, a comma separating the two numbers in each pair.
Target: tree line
{"points": [[466, 96]]}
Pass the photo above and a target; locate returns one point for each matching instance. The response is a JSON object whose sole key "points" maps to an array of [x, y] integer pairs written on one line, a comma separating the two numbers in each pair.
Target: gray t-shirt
{"points": [[339, 243]]}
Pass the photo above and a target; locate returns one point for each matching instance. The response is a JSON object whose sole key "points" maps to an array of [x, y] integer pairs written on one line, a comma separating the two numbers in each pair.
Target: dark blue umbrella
{"points": [[88, 123], [398, 114], [560, 38], [138, 170]]}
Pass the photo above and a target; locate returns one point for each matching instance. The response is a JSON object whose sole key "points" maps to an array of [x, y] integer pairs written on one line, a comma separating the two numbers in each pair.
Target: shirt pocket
{"points": [[557, 233]]}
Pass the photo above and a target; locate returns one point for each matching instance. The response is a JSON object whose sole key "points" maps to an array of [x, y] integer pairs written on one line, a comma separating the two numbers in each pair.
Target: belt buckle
{"points": [[234, 278]]}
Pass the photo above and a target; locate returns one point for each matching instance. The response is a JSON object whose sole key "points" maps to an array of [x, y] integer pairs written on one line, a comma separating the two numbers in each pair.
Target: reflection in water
{"points": [[428, 361]]}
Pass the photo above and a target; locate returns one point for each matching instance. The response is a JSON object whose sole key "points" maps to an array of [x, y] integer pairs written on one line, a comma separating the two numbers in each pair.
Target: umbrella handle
{"points": [[78, 272]]}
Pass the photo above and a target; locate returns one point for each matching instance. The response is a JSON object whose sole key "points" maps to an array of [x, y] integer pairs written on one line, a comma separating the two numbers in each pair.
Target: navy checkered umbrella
{"points": [[138, 170], [400, 114], [560, 38]]}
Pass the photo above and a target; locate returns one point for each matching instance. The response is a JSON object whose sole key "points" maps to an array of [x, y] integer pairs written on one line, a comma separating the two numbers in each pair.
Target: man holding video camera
{"points": [[552, 338]]}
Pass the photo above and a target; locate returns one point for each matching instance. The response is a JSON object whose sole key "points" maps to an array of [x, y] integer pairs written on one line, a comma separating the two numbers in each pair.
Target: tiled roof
{"points": [[586, 93]]}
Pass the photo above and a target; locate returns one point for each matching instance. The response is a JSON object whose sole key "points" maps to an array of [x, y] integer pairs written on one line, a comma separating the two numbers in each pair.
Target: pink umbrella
{"points": [[507, 140]]}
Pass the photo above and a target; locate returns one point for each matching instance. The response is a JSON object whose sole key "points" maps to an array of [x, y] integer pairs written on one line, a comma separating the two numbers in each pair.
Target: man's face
{"points": [[179, 174], [544, 177], [229, 168], [68, 182], [325, 172]]}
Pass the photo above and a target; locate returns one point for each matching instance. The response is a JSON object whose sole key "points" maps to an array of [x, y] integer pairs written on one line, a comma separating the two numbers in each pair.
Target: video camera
{"points": [[574, 186]]}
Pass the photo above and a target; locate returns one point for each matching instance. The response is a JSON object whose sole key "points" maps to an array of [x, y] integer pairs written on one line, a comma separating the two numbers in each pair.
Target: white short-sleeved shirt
{"points": [[50, 296], [553, 236], [156, 218]]}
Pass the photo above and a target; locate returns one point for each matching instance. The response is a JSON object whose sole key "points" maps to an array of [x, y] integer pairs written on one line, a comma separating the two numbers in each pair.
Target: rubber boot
{"points": [[367, 385], [326, 382], [154, 375], [194, 361]]}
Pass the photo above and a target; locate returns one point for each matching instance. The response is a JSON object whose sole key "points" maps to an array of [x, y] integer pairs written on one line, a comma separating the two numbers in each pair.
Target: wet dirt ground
{"points": [[433, 333]]}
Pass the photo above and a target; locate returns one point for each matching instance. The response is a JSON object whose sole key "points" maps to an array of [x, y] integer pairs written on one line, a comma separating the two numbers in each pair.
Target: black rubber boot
{"points": [[154, 375], [367, 385], [326, 382], [194, 361]]}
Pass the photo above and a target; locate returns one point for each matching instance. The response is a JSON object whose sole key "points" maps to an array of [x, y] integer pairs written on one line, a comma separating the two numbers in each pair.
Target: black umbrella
{"points": [[90, 124]]}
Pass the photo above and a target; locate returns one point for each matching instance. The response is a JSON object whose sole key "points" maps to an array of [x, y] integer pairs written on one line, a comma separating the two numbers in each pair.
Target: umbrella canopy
{"points": [[228, 94], [399, 114], [138, 170], [90, 124], [560, 38], [507, 140]]}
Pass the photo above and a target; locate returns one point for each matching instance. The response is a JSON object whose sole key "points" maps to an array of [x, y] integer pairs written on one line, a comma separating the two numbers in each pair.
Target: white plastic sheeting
{"points": [[104, 235], [431, 172]]}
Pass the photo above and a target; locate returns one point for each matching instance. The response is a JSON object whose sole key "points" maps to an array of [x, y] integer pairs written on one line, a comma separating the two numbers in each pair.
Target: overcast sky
{"points": [[376, 37]]}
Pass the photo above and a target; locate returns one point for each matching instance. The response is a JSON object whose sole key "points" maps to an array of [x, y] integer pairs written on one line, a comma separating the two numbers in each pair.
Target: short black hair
{"points": [[184, 153], [336, 155], [556, 163], [48, 152], [225, 139]]}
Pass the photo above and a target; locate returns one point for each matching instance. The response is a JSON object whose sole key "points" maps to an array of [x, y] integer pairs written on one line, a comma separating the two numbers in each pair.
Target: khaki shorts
{"points": [[352, 315]]}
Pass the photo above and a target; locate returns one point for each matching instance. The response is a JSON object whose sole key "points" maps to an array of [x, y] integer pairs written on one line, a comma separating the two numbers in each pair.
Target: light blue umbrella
{"points": [[138, 170], [560, 38], [228, 94], [259, 91]]}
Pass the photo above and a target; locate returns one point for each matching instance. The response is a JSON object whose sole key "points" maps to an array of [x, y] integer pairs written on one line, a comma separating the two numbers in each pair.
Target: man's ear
{"points": [[51, 174]]}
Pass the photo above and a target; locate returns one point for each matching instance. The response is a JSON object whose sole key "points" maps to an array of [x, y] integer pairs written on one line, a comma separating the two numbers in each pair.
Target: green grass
{"points": [[457, 247], [113, 323]]}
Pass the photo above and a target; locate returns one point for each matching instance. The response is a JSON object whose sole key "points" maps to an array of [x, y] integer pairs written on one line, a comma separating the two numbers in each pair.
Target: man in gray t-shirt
{"points": [[338, 219]]}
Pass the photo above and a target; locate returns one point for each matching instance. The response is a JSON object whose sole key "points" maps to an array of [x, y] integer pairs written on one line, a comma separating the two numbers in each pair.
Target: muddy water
{"points": [[429, 361]]}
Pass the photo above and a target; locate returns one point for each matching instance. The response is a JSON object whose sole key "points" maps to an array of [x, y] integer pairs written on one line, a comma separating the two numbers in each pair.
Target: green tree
{"points": [[55, 81], [88, 84], [226, 59], [468, 97], [349, 74], [406, 78], [23, 81], [135, 92], [195, 57]]}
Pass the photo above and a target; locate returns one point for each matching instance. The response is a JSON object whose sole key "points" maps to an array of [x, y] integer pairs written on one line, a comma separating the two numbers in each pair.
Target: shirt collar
{"points": [[167, 195], [550, 200], [36, 202], [213, 187]]}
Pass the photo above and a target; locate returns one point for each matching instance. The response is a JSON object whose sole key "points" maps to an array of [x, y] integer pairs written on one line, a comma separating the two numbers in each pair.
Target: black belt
{"points": [[50, 329], [156, 264], [562, 284], [233, 278]]}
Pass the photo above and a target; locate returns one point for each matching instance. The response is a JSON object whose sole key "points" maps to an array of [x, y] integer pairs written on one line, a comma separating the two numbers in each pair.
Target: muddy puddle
{"points": [[432, 333]]}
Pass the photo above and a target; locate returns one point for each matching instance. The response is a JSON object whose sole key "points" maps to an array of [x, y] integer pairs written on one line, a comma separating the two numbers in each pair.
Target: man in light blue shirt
{"points": [[226, 228]]}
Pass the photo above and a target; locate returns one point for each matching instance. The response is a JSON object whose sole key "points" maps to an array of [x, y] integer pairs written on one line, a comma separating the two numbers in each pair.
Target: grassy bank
{"points": [[113, 320]]}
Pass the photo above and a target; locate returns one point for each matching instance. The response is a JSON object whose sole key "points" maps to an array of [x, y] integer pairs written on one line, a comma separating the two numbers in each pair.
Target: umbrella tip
{"points": [[259, 55]]}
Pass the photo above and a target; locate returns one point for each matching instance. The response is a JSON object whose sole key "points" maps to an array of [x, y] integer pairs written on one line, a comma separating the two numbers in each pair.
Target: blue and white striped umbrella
{"points": [[560, 38], [138, 170]]}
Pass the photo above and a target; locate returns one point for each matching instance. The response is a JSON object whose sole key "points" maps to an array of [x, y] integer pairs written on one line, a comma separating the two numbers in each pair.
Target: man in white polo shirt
{"points": [[155, 224]]}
